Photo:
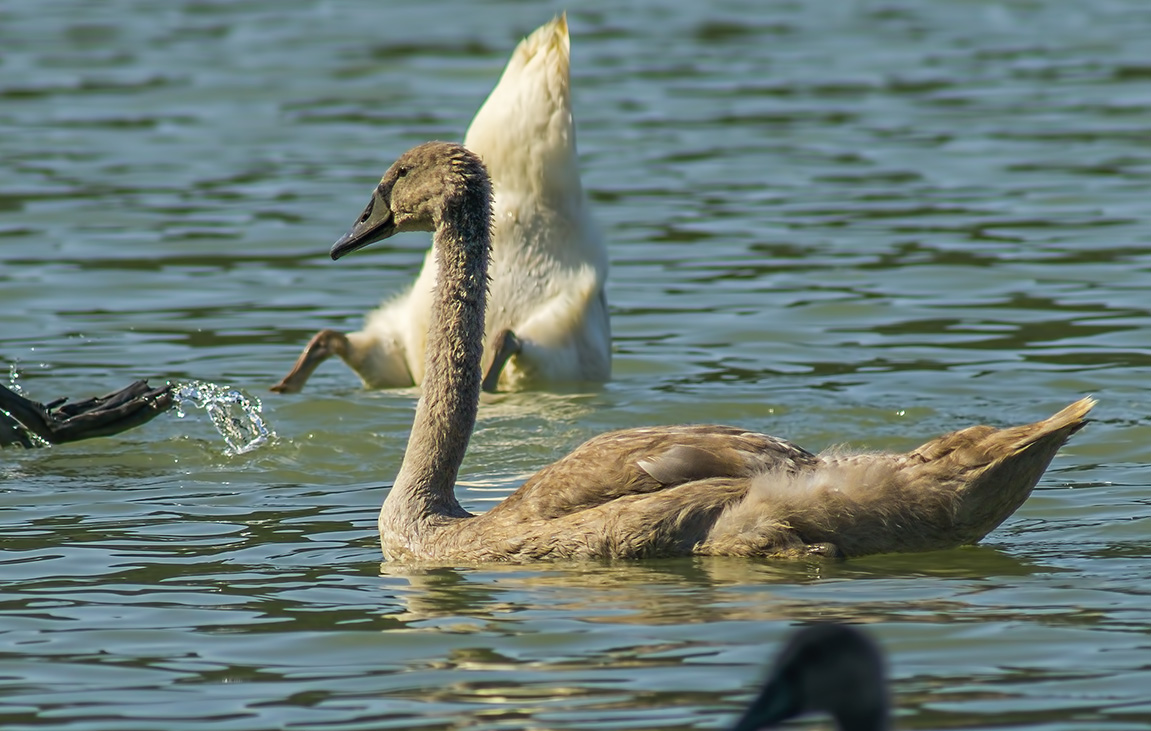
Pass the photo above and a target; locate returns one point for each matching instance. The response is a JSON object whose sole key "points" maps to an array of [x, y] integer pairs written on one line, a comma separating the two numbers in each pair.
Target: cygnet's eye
{"points": [[367, 211], [401, 172]]}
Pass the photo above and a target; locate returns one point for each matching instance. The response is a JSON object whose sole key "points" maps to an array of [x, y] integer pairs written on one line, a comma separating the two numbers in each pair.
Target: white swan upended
{"points": [[547, 312], [659, 491]]}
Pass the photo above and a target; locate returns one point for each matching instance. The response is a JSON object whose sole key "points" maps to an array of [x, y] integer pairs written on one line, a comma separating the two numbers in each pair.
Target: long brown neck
{"points": [[446, 413]]}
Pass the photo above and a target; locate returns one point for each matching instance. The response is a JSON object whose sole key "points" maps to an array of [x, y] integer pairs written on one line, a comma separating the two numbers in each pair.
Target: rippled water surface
{"points": [[836, 221]]}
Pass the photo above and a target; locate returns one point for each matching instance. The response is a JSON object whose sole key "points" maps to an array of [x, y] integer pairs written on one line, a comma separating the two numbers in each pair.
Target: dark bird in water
{"points": [[824, 668]]}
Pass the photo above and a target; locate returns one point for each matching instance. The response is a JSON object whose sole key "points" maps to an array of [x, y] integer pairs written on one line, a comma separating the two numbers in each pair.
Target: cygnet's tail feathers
{"points": [[952, 491], [994, 470], [978, 443]]}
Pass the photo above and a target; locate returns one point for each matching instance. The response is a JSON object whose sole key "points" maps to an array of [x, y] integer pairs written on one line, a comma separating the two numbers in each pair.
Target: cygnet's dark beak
{"points": [[375, 224]]}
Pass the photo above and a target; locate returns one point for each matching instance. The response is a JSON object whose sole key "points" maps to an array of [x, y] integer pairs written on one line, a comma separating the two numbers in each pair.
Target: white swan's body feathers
{"points": [[548, 263]]}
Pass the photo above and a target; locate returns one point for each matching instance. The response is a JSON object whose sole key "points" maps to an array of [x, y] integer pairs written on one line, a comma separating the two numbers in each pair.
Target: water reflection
{"points": [[682, 592]]}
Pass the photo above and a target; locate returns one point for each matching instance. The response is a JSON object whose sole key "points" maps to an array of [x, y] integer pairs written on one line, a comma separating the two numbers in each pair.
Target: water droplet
{"points": [[14, 378], [31, 437], [235, 414]]}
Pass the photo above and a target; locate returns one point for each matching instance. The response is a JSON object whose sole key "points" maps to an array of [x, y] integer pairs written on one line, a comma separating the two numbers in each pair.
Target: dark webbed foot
{"points": [[503, 347], [322, 346], [59, 422]]}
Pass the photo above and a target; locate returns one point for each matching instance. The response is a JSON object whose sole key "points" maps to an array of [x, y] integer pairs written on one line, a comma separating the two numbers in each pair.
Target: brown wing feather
{"points": [[641, 461]]}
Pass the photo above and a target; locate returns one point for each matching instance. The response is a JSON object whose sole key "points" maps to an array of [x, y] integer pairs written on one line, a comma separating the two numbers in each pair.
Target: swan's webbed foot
{"points": [[58, 422], [322, 346], [503, 347]]}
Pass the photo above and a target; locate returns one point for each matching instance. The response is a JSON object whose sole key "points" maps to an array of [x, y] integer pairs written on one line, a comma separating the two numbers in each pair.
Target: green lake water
{"points": [[835, 221]]}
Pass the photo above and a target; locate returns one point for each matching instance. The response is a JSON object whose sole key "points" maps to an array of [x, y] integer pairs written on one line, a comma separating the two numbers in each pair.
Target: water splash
{"points": [[235, 414], [27, 437], [14, 378], [30, 438]]}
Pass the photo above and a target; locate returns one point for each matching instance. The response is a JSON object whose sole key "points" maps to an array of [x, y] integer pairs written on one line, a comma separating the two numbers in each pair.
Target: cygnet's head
{"points": [[827, 668], [425, 184]]}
